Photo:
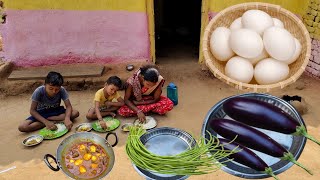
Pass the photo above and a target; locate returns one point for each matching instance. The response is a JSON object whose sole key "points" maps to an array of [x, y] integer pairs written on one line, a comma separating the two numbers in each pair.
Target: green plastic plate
{"points": [[112, 124], [48, 134]]}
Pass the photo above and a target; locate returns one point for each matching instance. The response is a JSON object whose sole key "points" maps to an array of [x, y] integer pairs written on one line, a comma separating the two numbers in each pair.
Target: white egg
{"points": [[296, 53], [279, 43], [278, 23], [269, 71], [262, 55], [239, 69], [236, 24], [246, 43], [219, 44], [256, 20]]}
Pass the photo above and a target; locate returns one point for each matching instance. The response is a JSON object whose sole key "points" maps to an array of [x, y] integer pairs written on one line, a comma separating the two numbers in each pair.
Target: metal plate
{"points": [[126, 126], [32, 140], [294, 144], [149, 123], [84, 127], [165, 141]]}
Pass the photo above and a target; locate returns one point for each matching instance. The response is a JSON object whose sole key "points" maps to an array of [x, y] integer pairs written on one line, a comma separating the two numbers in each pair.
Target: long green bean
{"points": [[200, 159]]}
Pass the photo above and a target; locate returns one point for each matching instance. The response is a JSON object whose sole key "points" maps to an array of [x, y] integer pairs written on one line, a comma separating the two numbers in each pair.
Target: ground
{"points": [[198, 92]]}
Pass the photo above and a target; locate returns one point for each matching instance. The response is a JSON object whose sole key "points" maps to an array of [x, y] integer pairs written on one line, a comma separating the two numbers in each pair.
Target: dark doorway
{"points": [[177, 27]]}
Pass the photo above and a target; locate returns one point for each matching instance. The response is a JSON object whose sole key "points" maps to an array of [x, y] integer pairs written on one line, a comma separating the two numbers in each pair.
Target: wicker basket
{"points": [[291, 22]]}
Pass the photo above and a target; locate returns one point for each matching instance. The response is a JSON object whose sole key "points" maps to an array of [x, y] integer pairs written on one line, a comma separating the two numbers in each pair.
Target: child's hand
{"points": [[103, 124], [68, 124], [112, 114], [51, 126], [107, 104]]}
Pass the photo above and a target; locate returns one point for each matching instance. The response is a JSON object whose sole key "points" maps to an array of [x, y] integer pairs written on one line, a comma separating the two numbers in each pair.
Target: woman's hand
{"points": [[141, 117], [135, 102]]}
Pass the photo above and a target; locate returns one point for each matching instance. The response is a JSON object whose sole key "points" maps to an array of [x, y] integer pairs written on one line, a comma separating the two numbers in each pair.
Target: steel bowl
{"points": [[165, 141], [38, 138]]}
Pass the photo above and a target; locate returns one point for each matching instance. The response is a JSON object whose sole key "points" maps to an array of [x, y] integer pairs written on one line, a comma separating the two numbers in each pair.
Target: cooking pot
{"points": [[77, 138]]}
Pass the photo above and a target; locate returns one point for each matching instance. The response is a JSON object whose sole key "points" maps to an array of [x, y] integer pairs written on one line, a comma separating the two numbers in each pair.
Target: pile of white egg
{"points": [[255, 46]]}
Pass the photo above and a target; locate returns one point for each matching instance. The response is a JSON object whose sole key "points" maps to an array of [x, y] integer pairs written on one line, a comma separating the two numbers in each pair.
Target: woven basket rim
{"points": [[255, 87]]}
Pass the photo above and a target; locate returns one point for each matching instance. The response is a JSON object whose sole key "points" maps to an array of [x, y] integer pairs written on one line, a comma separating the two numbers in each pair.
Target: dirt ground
{"points": [[198, 92]]}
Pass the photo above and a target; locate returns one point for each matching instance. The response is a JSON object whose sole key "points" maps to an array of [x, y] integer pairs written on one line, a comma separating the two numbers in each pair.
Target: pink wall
{"points": [[47, 37]]}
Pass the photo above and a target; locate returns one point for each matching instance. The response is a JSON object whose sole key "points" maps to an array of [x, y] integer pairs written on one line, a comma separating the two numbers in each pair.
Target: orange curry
{"points": [[86, 160]]}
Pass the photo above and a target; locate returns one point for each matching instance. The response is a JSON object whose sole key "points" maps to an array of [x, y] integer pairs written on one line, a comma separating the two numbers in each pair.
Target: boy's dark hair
{"points": [[115, 80], [150, 73], [54, 79]]}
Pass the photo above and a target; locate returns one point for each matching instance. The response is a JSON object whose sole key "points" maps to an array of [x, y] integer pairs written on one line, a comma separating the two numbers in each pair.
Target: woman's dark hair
{"points": [[150, 73], [115, 80], [54, 79]]}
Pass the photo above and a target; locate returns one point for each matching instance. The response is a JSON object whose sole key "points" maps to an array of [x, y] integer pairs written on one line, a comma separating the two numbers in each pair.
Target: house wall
{"points": [[49, 32], [38, 32]]}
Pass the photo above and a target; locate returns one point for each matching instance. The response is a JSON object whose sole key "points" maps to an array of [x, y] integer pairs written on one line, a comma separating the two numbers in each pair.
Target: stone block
{"points": [[5, 68]]}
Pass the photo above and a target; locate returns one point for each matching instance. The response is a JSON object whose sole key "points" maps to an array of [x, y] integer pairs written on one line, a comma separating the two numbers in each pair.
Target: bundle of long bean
{"points": [[194, 161]]}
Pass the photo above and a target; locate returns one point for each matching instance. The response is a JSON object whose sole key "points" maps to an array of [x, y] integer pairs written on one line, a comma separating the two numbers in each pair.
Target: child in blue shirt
{"points": [[45, 106]]}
